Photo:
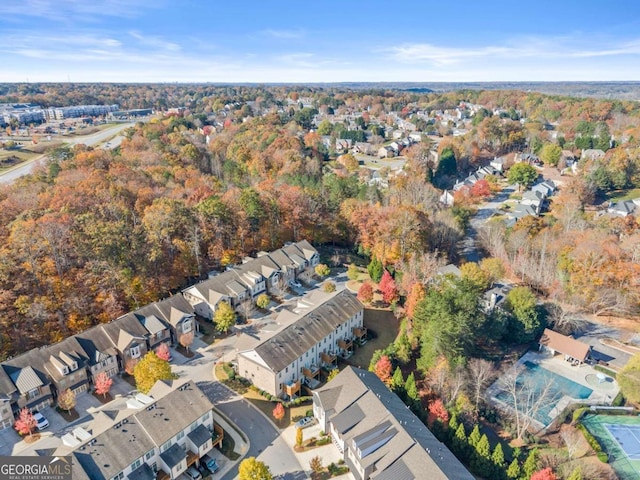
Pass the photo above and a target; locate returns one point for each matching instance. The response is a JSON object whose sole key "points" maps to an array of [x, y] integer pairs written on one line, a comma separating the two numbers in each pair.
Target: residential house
{"points": [[535, 199], [8, 394], [450, 269], [386, 152], [446, 198], [256, 275], [592, 154], [128, 337], [101, 354], [31, 384], [547, 188], [158, 435], [65, 364], [520, 211], [157, 330], [377, 435], [178, 314], [624, 208], [574, 351], [314, 335], [498, 163], [415, 137]]}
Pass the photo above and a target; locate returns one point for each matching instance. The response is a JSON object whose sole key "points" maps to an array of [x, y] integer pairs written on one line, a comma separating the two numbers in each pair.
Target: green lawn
{"points": [[291, 415], [622, 195], [382, 325]]}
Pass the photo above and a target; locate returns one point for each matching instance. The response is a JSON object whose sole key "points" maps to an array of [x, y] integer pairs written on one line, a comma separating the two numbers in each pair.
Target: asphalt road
{"points": [[90, 140], [265, 441]]}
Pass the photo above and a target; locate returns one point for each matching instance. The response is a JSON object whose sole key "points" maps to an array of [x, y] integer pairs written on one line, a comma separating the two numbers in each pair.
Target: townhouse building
{"points": [[377, 435], [158, 435], [316, 332], [268, 272]]}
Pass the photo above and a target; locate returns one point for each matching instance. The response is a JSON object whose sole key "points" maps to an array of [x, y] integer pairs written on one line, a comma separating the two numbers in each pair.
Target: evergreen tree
{"points": [[514, 469], [460, 443], [530, 464], [411, 390], [375, 269], [397, 383], [453, 422], [474, 437], [483, 448], [498, 456]]}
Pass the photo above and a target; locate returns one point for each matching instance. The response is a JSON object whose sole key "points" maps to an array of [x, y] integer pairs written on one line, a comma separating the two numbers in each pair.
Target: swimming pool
{"points": [[560, 386]]}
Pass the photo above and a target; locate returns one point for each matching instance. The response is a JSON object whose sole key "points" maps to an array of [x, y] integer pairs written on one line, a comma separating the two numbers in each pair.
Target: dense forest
{"points": [[95, 233]]}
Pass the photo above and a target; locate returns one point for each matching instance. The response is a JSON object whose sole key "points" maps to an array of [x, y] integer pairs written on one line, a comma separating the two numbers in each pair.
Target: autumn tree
{"points": [[523, 174], [224, 317], [383, 369], [416, 295], [299, 436], [551, 154], [388, 288], [149, 370], [278, 411], [493, 267], [263, 301], [67, 400], [365, 292], [163, 352], [253, 469], [322, 270], [329, 287], [473, 273], [186, 339], [544, 474], [315, 464], [332, 374], [437, 411], [26, 423], [102, 383]]}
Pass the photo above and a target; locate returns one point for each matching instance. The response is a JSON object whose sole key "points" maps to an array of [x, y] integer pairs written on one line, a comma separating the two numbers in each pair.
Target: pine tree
{"points": [[460, 444], [461, 435], [411, 388], [498, 456], [474, 437], [483, 448], [375, 269], [530, 464], [397, 382], [453, 422], [514, 469]]}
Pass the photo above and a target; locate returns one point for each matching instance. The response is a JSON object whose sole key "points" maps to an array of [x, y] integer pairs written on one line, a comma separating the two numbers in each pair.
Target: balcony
{"points": [[312, 371], [191, 458], [345, 343], [217, 436], [291, 388], [360, 332], [329, 358]]}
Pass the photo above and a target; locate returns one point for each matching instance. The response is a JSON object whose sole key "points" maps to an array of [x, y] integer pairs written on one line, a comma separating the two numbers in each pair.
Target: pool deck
{"points": [[585, 375]]}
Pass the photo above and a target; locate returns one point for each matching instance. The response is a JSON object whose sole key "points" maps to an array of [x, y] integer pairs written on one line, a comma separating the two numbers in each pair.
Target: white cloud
{"points": [[286, 34], [155, 42], [65, 10]]}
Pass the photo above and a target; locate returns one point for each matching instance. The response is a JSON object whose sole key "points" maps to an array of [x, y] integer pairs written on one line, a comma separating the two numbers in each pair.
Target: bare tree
{"points": [[564, 321], [246, 307], [525, 397], [480, 374], [573, 440]]}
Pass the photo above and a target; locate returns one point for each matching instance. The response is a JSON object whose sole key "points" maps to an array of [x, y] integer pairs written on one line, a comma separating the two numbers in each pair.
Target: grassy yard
{"points": [[382, 325], [623, 195], [291, 415], [11, 158]]}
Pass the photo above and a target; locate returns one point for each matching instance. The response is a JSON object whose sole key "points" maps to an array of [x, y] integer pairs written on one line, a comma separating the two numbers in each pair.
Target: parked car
{"points": [[295, 283], [210, 463], [304, 422], [192, 472], [41, 421]]}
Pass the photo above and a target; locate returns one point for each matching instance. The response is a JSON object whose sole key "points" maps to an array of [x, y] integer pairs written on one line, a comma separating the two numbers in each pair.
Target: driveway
{"points": [[594, 333]]}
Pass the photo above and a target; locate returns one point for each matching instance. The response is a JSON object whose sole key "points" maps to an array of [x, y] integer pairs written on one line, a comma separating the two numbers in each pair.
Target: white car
{"points": [[304, 422], [41, 421], [295, 283]]}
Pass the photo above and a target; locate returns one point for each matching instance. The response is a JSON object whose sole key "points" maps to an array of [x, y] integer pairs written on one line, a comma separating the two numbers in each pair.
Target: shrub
{"points": [[604, 370], [603, 457], [578, 414], [619, 400], [591, 440], [323, 441], [309, 413]]}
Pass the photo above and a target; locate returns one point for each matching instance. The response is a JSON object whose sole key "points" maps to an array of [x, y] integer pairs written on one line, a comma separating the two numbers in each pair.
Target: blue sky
{"points": [[320, 41]]}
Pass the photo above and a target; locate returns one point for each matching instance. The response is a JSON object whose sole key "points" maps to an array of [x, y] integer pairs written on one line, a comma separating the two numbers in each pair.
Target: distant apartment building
{"points": [[60, 113], [267, 273], [155, 436], [316, 333], [377, 435], [23, 113]]}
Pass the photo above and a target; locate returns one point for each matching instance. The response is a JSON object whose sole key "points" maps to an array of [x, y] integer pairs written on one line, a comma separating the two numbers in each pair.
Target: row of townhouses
{"points": [[158, 435], [377, 435], [35, 378], [314, 334]]}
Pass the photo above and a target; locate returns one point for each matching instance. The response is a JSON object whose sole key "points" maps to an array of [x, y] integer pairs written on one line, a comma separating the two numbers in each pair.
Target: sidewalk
{"points": [[241, 445]]}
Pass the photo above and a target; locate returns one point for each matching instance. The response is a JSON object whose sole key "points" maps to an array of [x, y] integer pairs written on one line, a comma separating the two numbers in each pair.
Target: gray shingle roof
{"points": [[26, 379], [173, 412], [405, 438], [174, 309], [199, 436], [173, 455], [96, 344], [287, 345], [142, 473]]}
